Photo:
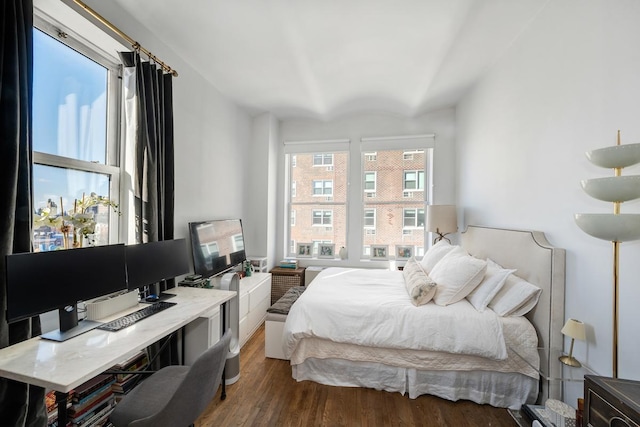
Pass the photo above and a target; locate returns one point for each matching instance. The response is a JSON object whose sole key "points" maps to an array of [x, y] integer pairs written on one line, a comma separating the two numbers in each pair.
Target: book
{"points": [[88, 388], [289, 263]]}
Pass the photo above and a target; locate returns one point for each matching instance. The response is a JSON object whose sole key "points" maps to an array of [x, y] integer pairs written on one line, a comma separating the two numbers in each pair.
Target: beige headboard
{"points": [[541, 264]]}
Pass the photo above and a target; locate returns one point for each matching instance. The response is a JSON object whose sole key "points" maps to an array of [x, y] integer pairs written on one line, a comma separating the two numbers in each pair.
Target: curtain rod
{"points": [[134, 44]]}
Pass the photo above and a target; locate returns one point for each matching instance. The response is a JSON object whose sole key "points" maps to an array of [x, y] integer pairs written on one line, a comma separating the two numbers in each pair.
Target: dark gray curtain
{"points": [[154, 173], [20, 404]]}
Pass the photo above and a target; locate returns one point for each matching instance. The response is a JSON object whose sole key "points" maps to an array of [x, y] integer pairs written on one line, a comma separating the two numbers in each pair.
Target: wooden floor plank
{"points": [[267, 395]]}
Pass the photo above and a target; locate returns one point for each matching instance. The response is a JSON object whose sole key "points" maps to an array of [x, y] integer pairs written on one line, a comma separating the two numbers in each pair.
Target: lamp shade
{"points": [[442, 218], [574, 329]]}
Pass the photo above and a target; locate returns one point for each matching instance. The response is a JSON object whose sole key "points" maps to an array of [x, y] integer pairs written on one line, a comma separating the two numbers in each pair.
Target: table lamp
{"points": [[575, 330], [442, 220]]}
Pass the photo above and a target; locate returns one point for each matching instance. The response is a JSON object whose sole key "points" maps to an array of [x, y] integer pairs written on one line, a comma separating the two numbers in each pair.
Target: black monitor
{"points": [[43, 281], [216, 245], [153, 262]]}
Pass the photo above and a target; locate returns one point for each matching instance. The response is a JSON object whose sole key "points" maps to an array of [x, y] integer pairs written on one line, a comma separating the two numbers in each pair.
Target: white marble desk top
{"points": [[64, 365]]}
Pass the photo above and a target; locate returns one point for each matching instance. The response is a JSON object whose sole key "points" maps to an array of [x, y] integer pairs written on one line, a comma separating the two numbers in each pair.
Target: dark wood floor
{"points": [[266, 395]]}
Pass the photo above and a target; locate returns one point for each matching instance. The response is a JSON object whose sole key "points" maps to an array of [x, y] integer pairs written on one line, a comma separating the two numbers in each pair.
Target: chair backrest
{"points": [[198, 387]]}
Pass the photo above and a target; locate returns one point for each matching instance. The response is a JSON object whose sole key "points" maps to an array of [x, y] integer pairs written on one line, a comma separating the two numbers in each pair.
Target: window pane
{"points": [[57, 189], [319, 219], [399, 214], [69, 102]]}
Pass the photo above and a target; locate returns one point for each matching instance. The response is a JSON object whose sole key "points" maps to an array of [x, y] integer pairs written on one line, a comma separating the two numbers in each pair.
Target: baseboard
{"points": [[101, 309]]}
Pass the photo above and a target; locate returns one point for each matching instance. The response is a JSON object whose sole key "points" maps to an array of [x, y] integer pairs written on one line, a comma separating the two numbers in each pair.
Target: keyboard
{"points": [[136, 316]]}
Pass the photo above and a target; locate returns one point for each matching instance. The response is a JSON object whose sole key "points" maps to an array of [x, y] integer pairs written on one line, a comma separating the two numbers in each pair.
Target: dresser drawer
{"points": [[611, 402]]}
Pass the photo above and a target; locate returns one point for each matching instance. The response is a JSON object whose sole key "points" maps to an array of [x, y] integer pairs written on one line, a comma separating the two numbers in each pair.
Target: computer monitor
{"points": [[216, 245], [153, 262], [39, 282]]}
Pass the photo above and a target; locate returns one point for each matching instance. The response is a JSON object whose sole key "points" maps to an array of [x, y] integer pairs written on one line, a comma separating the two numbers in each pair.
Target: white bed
{"points": [[336, 350]]}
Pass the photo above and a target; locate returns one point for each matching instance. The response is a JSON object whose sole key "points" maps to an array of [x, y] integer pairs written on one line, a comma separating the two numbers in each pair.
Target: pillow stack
{"points": [[448, 274]]}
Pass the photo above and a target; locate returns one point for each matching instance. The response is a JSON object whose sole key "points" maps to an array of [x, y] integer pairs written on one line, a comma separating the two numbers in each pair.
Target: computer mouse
{"points": [[151, 298]]}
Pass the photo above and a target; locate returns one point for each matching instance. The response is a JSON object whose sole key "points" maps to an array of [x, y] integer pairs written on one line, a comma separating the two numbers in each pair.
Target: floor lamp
{"points": [[615, 227]]}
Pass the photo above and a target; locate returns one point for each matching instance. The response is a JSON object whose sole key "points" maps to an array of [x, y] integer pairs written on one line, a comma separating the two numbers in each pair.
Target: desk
{"points": [[62, 366]]}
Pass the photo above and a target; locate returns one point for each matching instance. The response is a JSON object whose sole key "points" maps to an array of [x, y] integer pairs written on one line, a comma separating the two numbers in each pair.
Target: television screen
{"points": [[152, 262], [216, 245]]}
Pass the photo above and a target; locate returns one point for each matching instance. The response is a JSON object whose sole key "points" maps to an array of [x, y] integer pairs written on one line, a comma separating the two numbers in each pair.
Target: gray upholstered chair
{"points": [[175, 395]]}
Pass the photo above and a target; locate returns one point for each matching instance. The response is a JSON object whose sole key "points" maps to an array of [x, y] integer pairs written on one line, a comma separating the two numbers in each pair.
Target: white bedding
{"points": [[372, 308]]}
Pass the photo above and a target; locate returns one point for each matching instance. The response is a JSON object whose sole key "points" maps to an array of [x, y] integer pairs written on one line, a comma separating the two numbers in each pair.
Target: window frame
{"points": [[113, 156]]}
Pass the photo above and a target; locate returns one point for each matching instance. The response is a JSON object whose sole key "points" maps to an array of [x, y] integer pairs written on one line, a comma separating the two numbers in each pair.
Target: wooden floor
{"points": [[266, 395]]}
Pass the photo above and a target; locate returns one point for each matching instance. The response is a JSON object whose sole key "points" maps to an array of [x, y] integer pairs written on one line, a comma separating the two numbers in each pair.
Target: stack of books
{"points": [[52, 408], [126, 381], [92, 402], [289, 263]]}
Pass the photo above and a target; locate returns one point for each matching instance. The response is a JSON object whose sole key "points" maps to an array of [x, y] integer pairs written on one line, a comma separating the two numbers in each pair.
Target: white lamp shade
{"points": [[442, 218], [574, 329]]}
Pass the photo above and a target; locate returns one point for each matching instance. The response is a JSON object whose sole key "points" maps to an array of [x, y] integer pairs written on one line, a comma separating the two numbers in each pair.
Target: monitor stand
{"points": [[69, 325], [83, 326]]}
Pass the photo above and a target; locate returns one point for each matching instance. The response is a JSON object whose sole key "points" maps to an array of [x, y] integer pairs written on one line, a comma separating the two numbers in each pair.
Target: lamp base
{"points": [[570, 361]]}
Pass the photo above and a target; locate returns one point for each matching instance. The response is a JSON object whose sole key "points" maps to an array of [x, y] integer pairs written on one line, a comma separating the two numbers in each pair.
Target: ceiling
{"points": [[328, 58]]}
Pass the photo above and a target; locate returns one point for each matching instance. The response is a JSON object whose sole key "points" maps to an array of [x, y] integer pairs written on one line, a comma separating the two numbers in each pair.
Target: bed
{"points": [[327, 347]]}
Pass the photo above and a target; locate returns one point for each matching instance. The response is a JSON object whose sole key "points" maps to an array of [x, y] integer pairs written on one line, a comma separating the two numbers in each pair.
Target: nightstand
{"points": [[611, 402], [562, 376]]}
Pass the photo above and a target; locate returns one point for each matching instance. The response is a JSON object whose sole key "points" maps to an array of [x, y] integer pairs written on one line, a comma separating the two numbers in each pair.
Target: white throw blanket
{"points": [[372, 308]]}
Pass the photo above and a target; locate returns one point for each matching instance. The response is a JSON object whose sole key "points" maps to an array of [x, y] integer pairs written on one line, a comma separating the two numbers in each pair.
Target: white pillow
{"points": [[435, 254], [493, 280], [456, 274], [516, 298], [420, 286]]}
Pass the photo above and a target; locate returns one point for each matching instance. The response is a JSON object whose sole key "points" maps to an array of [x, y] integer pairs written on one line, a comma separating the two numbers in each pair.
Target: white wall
{"points": [[565, 87], [372, 125]]}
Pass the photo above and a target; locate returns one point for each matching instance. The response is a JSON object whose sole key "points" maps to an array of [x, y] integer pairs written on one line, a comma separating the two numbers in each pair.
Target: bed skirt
{"points": [[499, 389]]}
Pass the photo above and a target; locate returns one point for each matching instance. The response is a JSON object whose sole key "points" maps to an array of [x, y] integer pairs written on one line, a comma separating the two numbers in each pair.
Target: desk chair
{"points": [[174, 395]]}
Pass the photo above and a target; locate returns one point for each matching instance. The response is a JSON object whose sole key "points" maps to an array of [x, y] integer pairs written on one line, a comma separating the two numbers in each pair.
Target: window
{"points": [[323, 188], [325, 159], [317, 214], [414, 180], [396, 215], [369, 218], [413, 218], [380, 181], [322, 217], [75, 133], [370, 182]]}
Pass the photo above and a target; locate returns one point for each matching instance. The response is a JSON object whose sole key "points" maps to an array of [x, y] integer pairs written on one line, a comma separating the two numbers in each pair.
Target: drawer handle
{"points": [[618, 422]]}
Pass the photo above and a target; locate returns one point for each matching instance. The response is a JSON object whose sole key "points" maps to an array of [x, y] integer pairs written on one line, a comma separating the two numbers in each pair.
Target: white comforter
{"points": [[372, 308]]}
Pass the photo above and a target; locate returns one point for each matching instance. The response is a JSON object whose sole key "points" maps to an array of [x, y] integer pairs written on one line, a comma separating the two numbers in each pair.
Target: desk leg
{"points": [[61, 401], [223, 393]]}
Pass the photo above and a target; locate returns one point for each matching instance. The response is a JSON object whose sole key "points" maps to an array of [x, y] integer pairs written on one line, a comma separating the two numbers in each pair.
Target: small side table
{"points": [[284, 278]]}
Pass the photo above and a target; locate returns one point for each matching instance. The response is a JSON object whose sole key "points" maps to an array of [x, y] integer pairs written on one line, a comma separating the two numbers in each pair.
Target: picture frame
{"points": [[379, 252], [304, 250], [404, 252], [326, 250]]}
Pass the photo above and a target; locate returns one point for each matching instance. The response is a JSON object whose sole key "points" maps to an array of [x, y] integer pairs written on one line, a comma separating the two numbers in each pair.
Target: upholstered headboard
{"points": [[541, 264]]}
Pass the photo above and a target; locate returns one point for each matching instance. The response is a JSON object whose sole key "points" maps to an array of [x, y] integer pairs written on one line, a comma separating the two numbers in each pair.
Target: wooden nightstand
{"points": [[611, 402]]}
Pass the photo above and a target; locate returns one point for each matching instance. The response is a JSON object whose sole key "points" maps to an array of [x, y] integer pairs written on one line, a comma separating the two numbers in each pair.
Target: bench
{"points": [[274, 323]]}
